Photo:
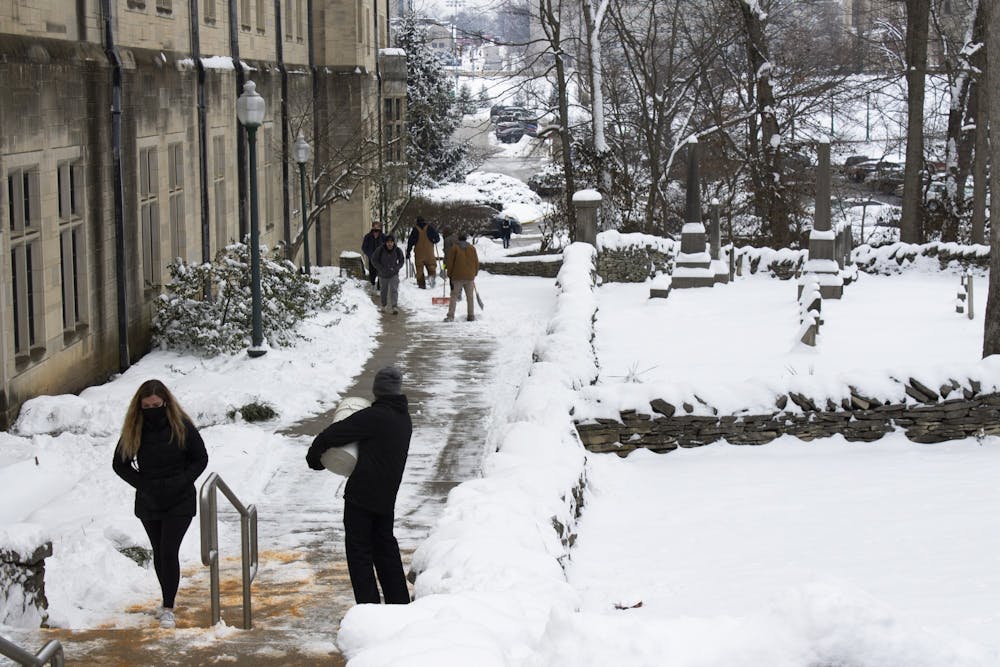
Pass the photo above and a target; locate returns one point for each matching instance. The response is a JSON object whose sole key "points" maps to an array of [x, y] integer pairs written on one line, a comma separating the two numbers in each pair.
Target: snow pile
{"points": [[509, 195], [490, 573], [937, 256]]}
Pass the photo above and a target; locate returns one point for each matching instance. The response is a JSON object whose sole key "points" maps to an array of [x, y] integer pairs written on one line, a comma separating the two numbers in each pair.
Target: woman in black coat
{"points": [[161, 454]]}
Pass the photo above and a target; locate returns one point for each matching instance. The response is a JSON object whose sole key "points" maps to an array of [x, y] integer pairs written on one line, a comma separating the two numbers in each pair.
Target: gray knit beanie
{"points": [[388, 382]]}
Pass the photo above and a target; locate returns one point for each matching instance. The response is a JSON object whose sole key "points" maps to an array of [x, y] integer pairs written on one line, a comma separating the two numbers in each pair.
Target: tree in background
{"points": [[432, 112], [917, 28], [991, 333]]}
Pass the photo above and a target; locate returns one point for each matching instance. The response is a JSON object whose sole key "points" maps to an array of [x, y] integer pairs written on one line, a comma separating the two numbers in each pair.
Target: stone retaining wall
{"points": [[22, 587], [631, 265], [865, 421], [543, 269]]}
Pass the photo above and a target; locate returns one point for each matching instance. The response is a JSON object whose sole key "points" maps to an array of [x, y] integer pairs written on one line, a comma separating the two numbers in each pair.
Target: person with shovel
{"points": [[463, 266]]}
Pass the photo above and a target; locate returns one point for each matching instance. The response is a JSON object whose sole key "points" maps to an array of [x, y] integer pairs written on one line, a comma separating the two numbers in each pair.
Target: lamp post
{"points": [[302, 151], [250, 111]]}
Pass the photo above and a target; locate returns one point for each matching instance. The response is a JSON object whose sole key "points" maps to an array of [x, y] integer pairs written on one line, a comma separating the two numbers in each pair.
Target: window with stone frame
{"points": [[219, 191], [24, 208], [175, 189], [165, 7], [209, 6], [392, 124], [271, 198], [245, 15], [149, 216], [286, 19], [72, 249], [299, 22], [261, 17]]}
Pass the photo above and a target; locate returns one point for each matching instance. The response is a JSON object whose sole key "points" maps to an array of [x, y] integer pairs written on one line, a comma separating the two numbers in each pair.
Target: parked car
{"points": [[499, 112], [509, 131], [854, 160]]}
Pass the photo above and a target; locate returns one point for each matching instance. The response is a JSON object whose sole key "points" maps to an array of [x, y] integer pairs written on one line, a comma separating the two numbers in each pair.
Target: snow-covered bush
{"points": [[185, 320]]}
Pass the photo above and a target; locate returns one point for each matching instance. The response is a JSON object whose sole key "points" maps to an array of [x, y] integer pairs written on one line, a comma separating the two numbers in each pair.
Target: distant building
{"points": [[86, 239]]}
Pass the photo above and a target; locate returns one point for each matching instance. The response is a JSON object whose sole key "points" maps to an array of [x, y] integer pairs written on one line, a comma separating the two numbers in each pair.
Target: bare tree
{"points": [[917, 28], [991, 333]]}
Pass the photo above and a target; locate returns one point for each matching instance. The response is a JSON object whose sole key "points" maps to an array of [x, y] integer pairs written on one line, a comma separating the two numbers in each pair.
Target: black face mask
{"points": [[156, 418]]}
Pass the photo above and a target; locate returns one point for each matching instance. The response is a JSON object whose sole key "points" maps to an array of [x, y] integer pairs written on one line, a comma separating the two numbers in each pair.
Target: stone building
{"points": [[121, 150]]}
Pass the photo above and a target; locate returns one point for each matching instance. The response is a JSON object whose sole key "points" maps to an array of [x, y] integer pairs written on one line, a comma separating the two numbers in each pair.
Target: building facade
{"points": [[121, 150]]}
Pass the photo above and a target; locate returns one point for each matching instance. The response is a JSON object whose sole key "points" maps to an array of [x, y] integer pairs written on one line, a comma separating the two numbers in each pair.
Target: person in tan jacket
{"points": [[463, 265], [421, 243]]}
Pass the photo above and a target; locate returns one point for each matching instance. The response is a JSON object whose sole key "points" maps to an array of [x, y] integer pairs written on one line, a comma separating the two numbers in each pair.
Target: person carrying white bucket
{"points": [[382, 436]]}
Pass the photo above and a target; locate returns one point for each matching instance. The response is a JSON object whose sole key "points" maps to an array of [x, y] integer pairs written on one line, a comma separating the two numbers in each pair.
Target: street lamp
{"points": [[250, 110], [302, 151]]}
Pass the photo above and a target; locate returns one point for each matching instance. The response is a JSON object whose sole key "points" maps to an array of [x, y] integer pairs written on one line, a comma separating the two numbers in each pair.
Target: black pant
{"points": [[372, 275], [165, 536], [369, 542]]}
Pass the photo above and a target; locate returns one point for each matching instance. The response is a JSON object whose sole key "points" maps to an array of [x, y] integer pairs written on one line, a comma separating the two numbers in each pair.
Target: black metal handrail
{"points": [[208, 509]]}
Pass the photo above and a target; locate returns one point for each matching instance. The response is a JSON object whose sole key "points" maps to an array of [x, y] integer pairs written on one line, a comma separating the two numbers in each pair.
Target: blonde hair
{"points": [[131, 437]]}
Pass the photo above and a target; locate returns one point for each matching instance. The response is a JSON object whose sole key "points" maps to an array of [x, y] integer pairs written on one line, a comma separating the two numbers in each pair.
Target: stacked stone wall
{"points": [[631, 265], [543, 269], [859, 419]]}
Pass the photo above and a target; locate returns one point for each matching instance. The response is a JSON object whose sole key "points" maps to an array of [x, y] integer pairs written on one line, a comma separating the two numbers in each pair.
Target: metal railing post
{"points": [[210, 543], [51, 653]]}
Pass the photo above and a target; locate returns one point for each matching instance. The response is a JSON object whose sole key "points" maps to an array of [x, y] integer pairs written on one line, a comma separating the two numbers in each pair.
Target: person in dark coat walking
{"points": [[382, 432], [388, 260], [161, 454], [505, 228], [372, 241]]}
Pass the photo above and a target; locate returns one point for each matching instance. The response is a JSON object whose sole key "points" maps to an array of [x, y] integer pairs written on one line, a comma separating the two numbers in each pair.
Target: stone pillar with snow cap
{"points": [[693, 266], [720, 269], [822, 261], [586, 203]]}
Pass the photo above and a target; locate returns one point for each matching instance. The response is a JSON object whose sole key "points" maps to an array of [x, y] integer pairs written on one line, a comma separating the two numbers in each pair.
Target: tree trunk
{"points": [[991, 334], [917, 27], [765, 141], [592, 21], [979, 175]]}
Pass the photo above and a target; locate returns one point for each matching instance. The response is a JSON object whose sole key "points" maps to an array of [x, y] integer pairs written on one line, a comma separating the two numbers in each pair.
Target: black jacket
{"points": [[383, 435], [163, 474], [387, 262], [369, 244]]}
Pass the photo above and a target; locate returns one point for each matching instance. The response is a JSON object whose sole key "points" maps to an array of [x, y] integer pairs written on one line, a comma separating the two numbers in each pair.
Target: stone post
{"points": [[22, 586], [586, 203], [822, 257], [720, 269], [693, 265]]}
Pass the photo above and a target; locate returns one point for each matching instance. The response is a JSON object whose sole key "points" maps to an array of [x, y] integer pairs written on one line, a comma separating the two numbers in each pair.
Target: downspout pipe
{"points": [[379, 112], [241, 140], [286, 214], [313, 73], [206, 247], [118, 185]]}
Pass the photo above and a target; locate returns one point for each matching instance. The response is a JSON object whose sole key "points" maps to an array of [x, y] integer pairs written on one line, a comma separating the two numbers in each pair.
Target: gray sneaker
{"points": [[167, 620]]}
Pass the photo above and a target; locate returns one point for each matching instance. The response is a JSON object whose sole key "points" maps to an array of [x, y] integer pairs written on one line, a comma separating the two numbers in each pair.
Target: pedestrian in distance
{"points": [[388, 260], [420, 244], [371, 242], [450, 239], [505, 230], [160, 454], [382, 432], [463, 266]]}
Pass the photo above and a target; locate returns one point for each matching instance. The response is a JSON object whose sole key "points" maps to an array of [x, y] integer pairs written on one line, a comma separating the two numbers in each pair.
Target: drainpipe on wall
{"points": [[118, 184], [379, 111], [286, 214], [315, 101], [241, 144], [206, 249]]}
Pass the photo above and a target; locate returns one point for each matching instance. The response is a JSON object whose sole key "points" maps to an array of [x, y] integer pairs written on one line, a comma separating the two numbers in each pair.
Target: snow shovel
{"points": [[479, 299], [442, 300]]}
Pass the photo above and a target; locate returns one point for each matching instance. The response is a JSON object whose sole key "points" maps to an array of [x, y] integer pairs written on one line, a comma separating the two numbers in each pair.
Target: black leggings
{"points": [[165, 535]]}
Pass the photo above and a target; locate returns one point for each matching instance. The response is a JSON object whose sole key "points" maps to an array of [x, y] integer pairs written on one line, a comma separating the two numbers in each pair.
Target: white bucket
{"points": [[341, 460]]}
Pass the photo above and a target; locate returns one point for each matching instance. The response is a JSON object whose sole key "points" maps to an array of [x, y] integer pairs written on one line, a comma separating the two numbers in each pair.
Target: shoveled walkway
{"points": [[455, 375]]}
